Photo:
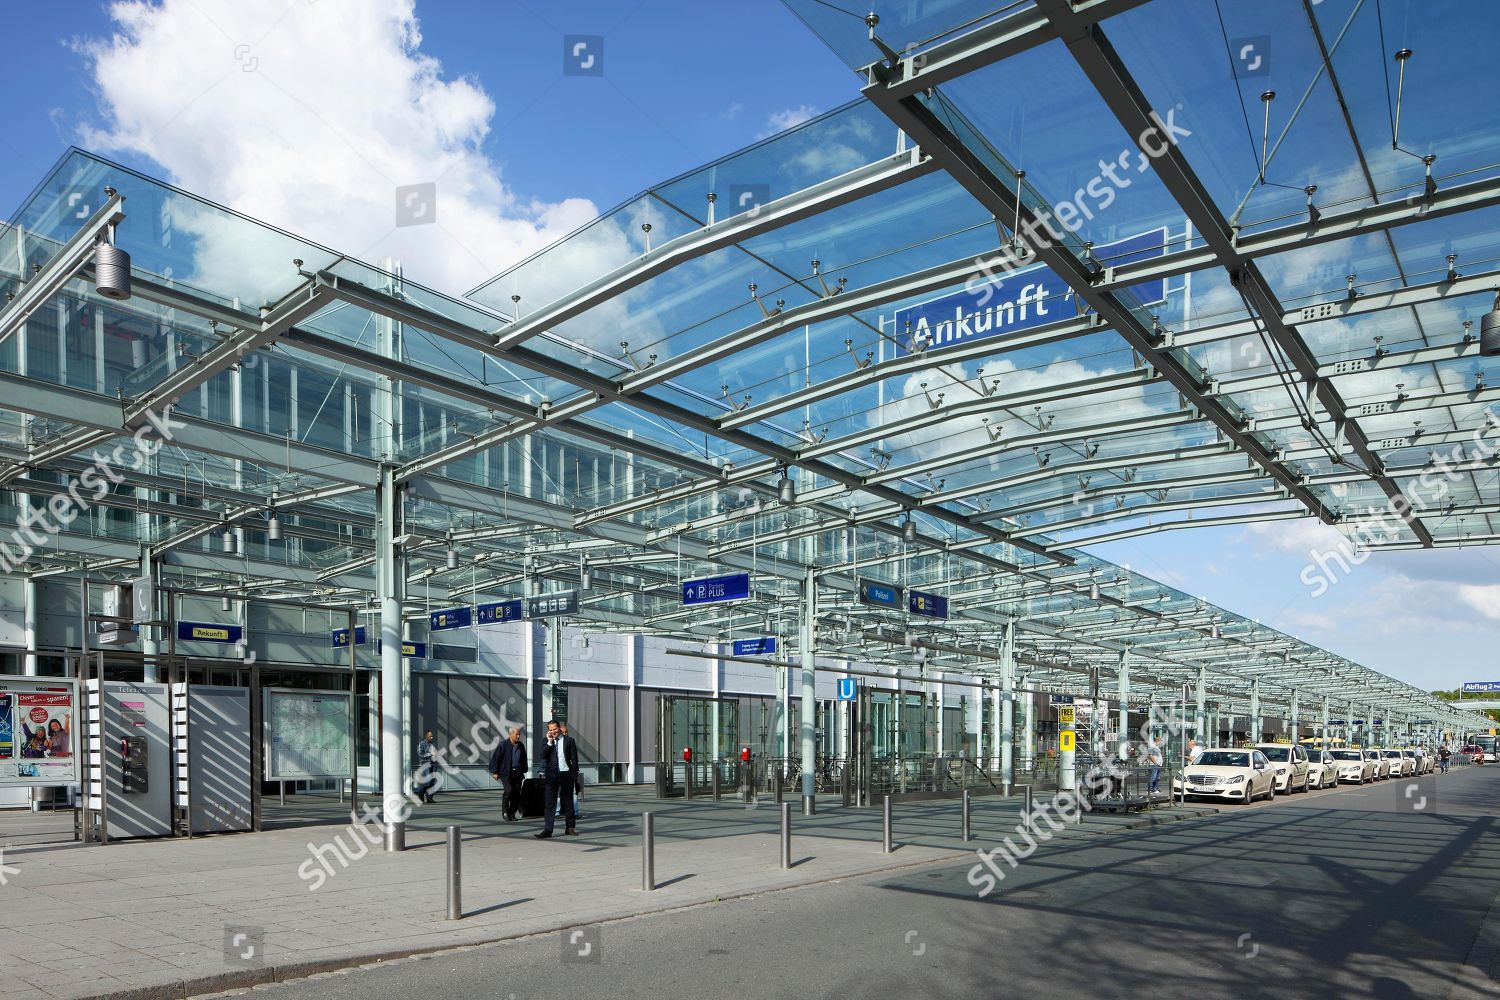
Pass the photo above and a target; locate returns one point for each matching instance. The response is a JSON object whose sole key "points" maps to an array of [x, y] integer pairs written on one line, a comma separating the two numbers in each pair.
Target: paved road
{"points": [[1366, 892]]}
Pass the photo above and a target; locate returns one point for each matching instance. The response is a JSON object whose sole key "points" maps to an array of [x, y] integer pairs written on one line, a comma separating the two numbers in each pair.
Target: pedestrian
{"points": [[577, 782], [1193, 750], [559, 768], [1444, 754], [1154, 761], [508, 766], [426, 781]]}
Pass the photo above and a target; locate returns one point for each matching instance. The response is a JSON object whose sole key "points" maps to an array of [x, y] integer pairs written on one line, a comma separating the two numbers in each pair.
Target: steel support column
{"points": [[1008, 707], [809, 683], [390, 572]]}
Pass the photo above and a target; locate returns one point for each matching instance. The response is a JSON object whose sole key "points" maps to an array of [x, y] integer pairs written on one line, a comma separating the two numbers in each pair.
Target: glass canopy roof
{"points": [[1136, 294]]}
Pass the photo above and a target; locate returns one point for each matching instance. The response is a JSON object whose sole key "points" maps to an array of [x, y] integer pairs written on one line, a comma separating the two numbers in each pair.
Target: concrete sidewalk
{"points": [[172, 918]]}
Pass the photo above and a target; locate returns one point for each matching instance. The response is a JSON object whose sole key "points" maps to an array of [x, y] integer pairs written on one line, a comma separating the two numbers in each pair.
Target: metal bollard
{"points": [[844, 785], [687, 771], [455, 874], [342, 782], [786, 835], [1026, 800], [779, 781], [967, 838], [283, 793], [885, 841], [809, 805], [715, 766], [648, 852]]}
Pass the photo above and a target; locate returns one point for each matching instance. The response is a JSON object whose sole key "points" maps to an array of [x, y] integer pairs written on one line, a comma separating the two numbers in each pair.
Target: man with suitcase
{"points": [[559, 772], [508, 766]]}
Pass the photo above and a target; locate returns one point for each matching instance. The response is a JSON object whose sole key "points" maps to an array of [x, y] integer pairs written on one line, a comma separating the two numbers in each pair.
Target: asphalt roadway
{"points": [[1390, 890]]}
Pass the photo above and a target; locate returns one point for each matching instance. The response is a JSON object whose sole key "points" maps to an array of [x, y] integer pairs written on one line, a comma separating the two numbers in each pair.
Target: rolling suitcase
{"points": [[533, 797]]}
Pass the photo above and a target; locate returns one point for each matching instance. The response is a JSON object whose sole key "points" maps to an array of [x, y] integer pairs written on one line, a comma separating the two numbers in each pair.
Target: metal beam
{"points": [[822, 197]]}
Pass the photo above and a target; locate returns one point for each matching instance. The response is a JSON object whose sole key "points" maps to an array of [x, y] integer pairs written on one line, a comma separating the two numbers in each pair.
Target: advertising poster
{"points": [[37, 733]]}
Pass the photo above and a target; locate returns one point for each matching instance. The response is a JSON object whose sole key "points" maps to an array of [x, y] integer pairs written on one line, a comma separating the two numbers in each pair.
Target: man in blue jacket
{"points": [[508, 766], [559, 772]]}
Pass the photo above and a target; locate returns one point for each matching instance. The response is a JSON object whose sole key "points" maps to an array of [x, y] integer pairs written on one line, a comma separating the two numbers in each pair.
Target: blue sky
{"points": [[282, 116]]}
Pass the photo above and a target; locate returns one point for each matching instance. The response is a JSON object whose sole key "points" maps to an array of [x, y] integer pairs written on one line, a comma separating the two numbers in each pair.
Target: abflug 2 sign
{"points": [[1018, 300]]}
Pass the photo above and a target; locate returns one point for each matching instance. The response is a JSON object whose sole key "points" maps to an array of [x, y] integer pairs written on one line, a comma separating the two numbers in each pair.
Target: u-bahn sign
{"points": [[1019, 300]]}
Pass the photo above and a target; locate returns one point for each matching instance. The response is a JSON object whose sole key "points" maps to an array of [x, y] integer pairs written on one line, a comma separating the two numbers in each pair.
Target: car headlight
{"points": [[1281, 770], [1238, 779]]}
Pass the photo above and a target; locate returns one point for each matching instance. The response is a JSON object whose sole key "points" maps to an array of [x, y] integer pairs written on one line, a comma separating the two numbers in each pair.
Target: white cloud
{"points": [[780, 121], [309, 116]]}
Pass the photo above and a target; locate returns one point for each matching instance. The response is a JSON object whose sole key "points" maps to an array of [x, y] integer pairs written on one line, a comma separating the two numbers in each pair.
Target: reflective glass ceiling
{"points": [[1264, 319]]}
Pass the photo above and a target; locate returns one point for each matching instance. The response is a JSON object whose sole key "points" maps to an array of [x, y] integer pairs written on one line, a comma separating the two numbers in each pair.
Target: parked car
{"points": [[1474, 752], [1354, 766], [1382, 766], [1322, 769], [1424, 759], [1290, 763], [1234, 775], [1401, 764]]}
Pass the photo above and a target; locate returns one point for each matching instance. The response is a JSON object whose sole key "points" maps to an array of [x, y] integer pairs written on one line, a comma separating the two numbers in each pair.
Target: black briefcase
{"points": [[533, 797]]}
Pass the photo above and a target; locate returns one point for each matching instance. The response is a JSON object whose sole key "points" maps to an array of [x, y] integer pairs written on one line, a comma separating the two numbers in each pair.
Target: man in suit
{"points": [[508, 766], [559, 772]]}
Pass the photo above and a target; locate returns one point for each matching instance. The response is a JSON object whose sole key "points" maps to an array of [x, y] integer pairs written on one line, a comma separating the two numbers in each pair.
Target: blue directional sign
{"points": [[880, 595], [1481, 687], [439, 621], [413, 649], [928, 605], [716, 589], [502, 611], [209, 632], [755, 647], [1019, 300], [1060, 699], [848, 688], [341, 637]]}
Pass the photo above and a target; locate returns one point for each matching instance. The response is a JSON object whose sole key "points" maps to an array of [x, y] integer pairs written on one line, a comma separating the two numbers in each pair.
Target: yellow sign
{"points": [[1065, 714], [1065, 741], [205, 632]]}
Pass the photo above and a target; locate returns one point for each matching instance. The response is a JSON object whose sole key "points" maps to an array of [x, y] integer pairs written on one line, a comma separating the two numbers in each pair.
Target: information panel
{"points": [[439, 621], [716, 589], [755, 647], [880, 595], [928, 605], [209, 632], [341, 637], [306, 734], [551, 605], [38, 734], [502, 611]]}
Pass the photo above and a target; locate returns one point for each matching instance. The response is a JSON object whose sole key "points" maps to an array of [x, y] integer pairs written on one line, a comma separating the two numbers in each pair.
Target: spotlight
{"points": [[452, 558], [111, 271], [786, 490], [226, 541], [586, 578], [1489, 331], [273, 527], [1093, 591], [909, 530], [224, 603]]}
